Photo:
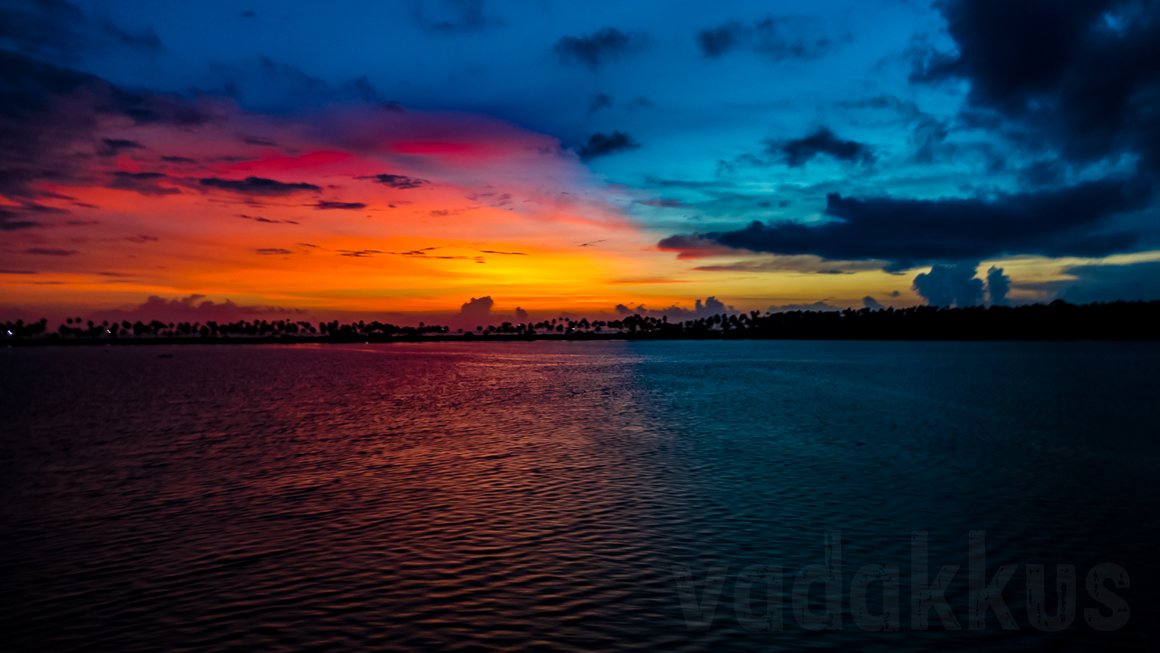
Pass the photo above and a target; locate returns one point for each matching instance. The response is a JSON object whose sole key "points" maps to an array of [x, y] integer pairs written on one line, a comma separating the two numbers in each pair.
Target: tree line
{"points": [[1058, 320]]}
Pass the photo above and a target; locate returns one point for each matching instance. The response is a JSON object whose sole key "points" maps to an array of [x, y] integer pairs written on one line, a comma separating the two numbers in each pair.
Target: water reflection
{"points": [[530, 495]]}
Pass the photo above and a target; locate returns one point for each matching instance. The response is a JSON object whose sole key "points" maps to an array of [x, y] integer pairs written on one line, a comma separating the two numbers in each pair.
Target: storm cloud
{"points": [[1082, 74]]}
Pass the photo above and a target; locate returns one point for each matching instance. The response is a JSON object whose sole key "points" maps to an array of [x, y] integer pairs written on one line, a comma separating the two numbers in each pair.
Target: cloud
{"points": [[599, 145], [145, 183], [998, 285], [492, 251], [776, 37], [325, 205], [477, 310], [197, 308], [797, 152], [1076, 221], [599, 102], [402, 182], [453, 16], [597, 48], [953, 284], [273, 251], [662, 203], [12, 221], [871, 303], [1082, 75], [267, 85], [48, 251], [707, 308], [59, 30], [1106, 282], [264, 220], [114, 146], [807, 264], [259, 186], [814, 306], [49, 117], [928, 134]]}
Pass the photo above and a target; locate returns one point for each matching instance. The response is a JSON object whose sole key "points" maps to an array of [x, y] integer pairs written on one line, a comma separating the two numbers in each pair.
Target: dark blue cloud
{"points": [[797, 152], [998, 285], [776, 37], [454, 16], [953, 284], [1105, 283], [1082, 74], [598, 48], [61, 31], [604, 144], [904, 232]]}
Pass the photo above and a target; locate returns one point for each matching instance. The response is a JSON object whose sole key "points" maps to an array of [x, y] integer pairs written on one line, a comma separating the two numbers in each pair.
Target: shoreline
{"points": [[281, 340]]}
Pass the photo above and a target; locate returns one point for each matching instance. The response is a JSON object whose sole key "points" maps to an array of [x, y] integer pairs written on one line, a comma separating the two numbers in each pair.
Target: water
{"points": [[577, 496]]}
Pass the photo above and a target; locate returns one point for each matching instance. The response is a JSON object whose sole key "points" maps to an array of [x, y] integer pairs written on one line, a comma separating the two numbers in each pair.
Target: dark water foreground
{"points": [[586, 496]]}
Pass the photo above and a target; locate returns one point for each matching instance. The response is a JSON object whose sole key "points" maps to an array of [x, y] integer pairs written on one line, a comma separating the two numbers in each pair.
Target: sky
{"points": [[479, 160]]}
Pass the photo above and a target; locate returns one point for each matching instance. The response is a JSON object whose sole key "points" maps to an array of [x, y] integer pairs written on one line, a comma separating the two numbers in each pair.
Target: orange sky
{"points": [[474, 206]]}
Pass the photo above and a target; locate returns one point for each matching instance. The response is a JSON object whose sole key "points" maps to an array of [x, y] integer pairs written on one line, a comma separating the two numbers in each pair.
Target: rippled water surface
{"points": [[583, 496]]}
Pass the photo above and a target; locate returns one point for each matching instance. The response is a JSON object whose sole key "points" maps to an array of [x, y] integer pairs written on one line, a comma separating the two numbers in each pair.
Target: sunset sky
{"points": [[394, 160]]}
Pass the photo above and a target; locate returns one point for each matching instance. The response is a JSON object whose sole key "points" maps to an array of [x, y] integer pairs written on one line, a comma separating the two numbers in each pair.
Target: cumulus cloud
{"points": [[197, 308], [950, 285], [998, 285], [477, 310], [707, 308], [871, 303]]}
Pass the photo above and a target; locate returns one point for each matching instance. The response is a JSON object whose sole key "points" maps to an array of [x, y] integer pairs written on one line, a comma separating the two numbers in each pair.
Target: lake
{"points": [[580, 496]]}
